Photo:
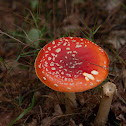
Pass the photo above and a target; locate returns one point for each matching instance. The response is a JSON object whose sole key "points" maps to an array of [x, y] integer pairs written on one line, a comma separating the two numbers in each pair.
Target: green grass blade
{"points": [[23, 113], [1, 59], [96, 29]]}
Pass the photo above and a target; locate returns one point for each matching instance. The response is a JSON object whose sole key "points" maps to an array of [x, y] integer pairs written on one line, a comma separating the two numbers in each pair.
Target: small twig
{"points": [[120, 97], [33, 18], [59, 116], [24, 32], [120, 58], [12, 37]]}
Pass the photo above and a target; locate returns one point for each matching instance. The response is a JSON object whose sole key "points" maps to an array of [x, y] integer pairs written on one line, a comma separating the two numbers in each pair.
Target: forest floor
{"points": [[25, 27]]}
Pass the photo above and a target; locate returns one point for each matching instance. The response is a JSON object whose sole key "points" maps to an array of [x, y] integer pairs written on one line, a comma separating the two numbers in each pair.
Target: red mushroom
{"points": [[72, 64]]}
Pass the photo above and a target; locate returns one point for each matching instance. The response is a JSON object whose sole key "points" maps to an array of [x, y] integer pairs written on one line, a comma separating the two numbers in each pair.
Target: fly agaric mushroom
{"points": [[72, 64]]}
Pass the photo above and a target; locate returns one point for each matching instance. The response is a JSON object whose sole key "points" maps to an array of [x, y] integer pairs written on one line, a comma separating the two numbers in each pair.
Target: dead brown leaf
{"points": [[57, 110]]}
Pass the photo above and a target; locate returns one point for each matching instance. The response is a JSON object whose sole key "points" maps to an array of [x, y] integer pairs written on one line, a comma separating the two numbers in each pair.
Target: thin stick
{"points": [[12, 37]]}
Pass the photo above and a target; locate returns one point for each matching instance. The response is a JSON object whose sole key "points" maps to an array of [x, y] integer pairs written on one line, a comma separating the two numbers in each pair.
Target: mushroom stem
{"points": [[70, 102], [104, 108]]}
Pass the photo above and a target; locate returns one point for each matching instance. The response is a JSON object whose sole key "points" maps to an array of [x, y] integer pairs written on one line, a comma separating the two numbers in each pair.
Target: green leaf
{"points": [[34, 4], [33, 37], [1, 59]]}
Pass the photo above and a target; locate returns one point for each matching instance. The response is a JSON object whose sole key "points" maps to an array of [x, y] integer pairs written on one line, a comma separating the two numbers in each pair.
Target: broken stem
{"points": [[104, 108]]}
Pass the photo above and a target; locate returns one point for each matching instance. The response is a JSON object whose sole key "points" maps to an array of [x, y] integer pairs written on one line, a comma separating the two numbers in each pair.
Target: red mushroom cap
{"points": [[72, 64]]}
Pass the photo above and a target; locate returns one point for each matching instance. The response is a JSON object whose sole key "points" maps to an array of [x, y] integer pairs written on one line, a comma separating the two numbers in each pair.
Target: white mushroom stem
{"points": [[70, 102], [104, 108]]}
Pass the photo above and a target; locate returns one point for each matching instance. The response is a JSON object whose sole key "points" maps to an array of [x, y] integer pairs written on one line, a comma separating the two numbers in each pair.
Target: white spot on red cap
{"points": [[98, 80], [53, 42], [66, 57], [65, 83], [65, 69], [76, 76], [46, 65], [62, 72], [49, 48], [54, 46], [53, 54], [50, 78], [69, 52], [78, 46], [68, 88], [71, 83], [55, 75], [89, 76], [60, 67], [46, 51], [46, 62], [69, 44], [59, 43], [49, 58], [75, 52], [57, 64], [66, 40], [91, 84], [64, 44], [52, 64], [39, 66], [68, 75], [94, 72], [61, 61], [49, 72], [58, 50], [44, 78], [46, 55], [73, 40], [72, 66], [53, 59], [53, 68], [55, 85], [67, 48], [73, 55], [86, 78], [71, 63], [101, 49]]}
